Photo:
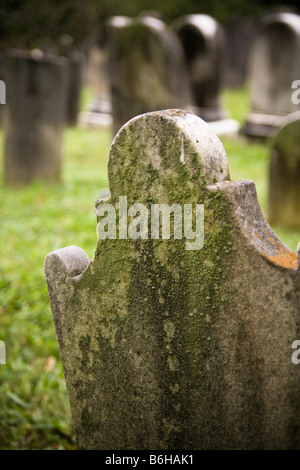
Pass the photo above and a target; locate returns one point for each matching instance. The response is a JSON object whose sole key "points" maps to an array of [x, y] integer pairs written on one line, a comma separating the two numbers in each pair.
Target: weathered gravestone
{"points": [[204, 45], [34, 117], [147, 69], [165, 346], [284, 178], [275, 64]]}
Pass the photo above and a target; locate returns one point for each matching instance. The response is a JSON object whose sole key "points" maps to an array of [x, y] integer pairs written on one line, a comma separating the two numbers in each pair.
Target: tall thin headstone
{"points": [[284, 180], [35, 115], [275, 64], [165, 346]]}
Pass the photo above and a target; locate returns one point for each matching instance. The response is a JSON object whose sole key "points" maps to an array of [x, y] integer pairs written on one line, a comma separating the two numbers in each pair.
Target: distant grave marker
{"points": [[275, 65], [147, 69], [284, 181], [35, 116], [204, 45]]}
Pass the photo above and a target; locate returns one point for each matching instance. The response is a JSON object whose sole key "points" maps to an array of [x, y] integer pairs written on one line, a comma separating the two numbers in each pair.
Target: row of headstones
{"points": [[147, 73], [154, 67]]}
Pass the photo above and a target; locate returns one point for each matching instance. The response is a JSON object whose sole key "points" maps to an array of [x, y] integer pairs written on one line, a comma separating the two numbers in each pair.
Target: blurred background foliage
{"points": [[42, 24]]}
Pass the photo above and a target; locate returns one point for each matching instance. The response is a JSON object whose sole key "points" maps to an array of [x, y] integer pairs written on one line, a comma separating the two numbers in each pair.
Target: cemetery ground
{"points": [[34, 410]]}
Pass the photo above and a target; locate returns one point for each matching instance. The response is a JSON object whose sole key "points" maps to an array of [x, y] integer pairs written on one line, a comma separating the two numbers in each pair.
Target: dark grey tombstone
{"points": [[74, 88], [239, 33], [204, 45], [284, 182], [147, 69], [275, 64], [35, 116]]}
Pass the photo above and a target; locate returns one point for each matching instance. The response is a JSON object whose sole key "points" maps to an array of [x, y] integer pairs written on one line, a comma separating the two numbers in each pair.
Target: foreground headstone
{"points": [[147, 69], [284, 180], [204, 43], [35, 116], [275, 65], [165, 346]]}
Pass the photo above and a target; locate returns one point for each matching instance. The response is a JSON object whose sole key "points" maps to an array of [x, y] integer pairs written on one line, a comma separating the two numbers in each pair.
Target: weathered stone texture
{"points": [[165, 348]]}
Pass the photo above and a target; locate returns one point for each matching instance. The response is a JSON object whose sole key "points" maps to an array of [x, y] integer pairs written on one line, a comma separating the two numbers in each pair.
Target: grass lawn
{"points": [[34, 410]]}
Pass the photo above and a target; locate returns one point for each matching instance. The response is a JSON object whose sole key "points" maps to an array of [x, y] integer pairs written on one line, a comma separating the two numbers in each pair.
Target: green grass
{"points": [[34, 410]]}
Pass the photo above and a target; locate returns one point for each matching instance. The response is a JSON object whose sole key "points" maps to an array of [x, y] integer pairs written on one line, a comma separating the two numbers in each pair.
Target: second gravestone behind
{"points": [[147, 69], [284, 179], [35, 116], [169, 342]]}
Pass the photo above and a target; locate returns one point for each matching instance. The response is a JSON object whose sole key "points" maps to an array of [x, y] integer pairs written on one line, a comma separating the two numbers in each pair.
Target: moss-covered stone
{"points": [[168, 348]]}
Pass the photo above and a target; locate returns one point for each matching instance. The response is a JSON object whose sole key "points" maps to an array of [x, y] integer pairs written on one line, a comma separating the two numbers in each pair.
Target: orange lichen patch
{"points": [[282, 257]]}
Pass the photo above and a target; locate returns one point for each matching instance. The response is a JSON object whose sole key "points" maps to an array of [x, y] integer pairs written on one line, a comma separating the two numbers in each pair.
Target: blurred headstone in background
{"points": [[35, 116], [284, 179], [98, 112], [204, 46], [239, 33], [275, 64], [74, 88], [147, 68]]}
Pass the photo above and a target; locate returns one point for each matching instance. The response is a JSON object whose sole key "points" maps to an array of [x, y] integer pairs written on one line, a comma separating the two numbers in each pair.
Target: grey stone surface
{"points": [[284, 179], [204, 45], [166, 348], [147, 69], [35, 115], [275, 64], [239, 33]]}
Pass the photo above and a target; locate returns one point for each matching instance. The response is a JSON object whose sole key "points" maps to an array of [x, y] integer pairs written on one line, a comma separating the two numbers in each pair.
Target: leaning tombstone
{"points": [[284, 178], [35, 114], [275, 64], [203, 41], [179, 338], [147, 70]]}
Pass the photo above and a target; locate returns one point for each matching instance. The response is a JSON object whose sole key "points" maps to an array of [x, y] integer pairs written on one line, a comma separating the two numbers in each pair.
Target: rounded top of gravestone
{"points": [[204, 23], [290, 19], [165, 156], [119, 21]]}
